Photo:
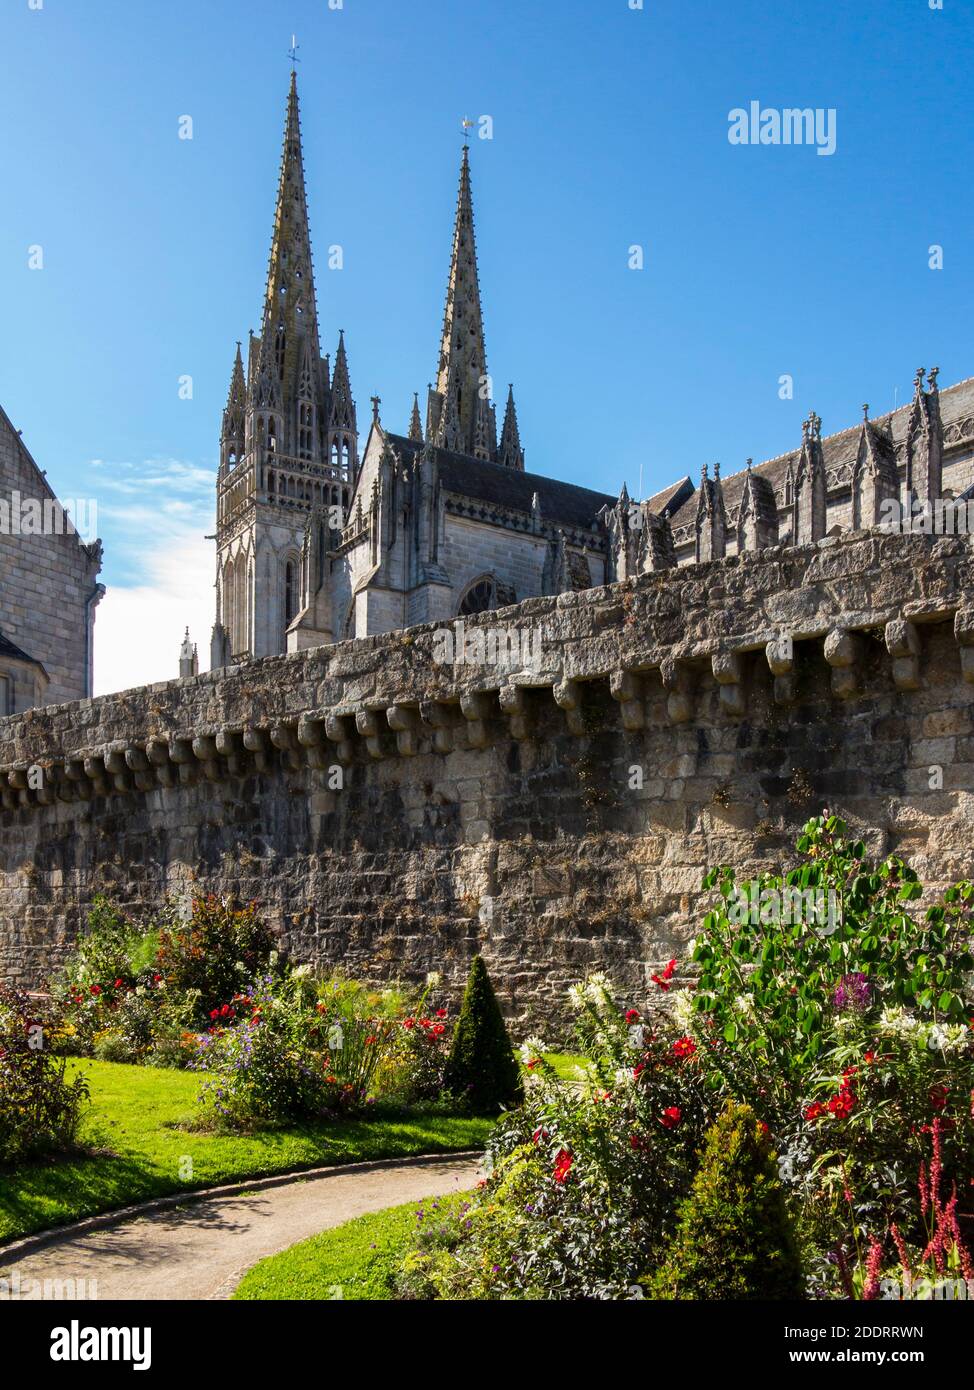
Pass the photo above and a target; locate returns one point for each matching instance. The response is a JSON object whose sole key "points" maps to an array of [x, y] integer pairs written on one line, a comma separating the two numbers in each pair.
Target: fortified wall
{"points": [[393, 813]]}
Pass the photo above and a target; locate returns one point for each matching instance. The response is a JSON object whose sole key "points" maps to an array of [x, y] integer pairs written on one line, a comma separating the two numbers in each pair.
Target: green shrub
{"points": [[39, 1109], [734, 1239], [481, 1071], [213, 954]]}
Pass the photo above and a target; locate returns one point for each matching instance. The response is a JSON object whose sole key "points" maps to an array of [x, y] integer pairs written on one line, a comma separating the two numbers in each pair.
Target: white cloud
{"points": [[139, 626]]}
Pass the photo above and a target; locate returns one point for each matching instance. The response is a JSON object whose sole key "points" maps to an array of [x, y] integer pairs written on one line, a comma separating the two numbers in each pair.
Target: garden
{"points": [[786, 1112]]}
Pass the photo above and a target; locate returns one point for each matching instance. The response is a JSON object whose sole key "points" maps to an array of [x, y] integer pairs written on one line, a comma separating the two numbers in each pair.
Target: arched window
{"points": [[290, 593], [479, 597], [227, 597]]}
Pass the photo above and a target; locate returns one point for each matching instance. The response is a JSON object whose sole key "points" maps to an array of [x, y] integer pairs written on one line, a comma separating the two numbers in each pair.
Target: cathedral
{"points": [[318, 542]]}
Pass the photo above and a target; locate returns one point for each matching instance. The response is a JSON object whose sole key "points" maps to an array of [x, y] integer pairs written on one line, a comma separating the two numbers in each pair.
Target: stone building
{"points": [[48, 588], [317, 544]]}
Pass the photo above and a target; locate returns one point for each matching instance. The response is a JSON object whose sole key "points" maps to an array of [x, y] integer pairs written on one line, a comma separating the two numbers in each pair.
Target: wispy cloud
{"points": [[154, 518]]}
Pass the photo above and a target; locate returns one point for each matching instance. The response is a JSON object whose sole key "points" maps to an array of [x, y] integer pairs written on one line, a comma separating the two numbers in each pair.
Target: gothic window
{"points": [[272, 436], [290, 593], [271, 480], [6, 705], [479, 597]]}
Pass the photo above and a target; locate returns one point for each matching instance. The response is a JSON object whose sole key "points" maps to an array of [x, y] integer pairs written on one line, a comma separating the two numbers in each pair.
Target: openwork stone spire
{"points": [[462, 370], [290, 311], [511, 455]]}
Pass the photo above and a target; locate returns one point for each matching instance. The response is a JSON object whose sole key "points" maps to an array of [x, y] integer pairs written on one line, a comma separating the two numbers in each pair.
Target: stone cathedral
{"points": [[318, 542]]}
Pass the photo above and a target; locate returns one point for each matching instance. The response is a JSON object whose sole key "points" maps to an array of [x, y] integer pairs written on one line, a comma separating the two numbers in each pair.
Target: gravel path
{"points": [[202, 1247]]}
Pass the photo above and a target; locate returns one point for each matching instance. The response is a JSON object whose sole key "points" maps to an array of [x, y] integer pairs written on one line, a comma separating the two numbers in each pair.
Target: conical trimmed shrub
{"points": [[481, 1071], [735, 1238]]}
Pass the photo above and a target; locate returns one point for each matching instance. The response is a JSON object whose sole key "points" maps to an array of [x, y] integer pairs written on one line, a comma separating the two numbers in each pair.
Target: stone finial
{"points": [[932, 375], [918, 379], [865, 410]]}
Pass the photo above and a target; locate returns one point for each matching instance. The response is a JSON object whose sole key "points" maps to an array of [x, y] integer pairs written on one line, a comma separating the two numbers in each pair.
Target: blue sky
{"points": [[610, 129]]}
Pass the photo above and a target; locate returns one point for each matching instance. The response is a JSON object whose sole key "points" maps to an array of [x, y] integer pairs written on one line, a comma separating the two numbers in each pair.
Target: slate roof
{"points": [[838, 450], [507, 487], [10, 649]]}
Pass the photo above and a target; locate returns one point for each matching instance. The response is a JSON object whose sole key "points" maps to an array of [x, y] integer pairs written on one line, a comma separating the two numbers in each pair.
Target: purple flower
{"points": [[852, 992]]}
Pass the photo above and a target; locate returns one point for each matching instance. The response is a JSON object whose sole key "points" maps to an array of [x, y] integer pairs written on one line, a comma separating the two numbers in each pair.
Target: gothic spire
{"points": [[342, 405], [511, 454], [290, 312], [463, 355], [233, 433], [415, 422]]}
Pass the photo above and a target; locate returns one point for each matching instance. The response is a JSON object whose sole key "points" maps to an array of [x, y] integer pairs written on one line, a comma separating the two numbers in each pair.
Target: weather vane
{"points": [[466, 123], [292, 52]]}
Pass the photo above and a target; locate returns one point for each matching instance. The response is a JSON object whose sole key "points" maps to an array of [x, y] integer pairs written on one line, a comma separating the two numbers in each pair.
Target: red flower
{"points": [[96, 989], [425, 1023], [370, 1039], [632, 1015], [664, 979], [938, 1097], [214, 1013], [684, 1047], [438, 1029], [409, 1023], [118, 984], [532, 1063], [638, 1070], [538, 1135], [321, 1007], [869, 1057], [671, 1117], [441, 1013], [563, 1164]]}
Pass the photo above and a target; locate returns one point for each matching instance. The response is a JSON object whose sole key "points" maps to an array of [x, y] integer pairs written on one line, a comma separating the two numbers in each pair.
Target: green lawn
{"points": [[565, 1063], [134, 1124], [358, 1260]]}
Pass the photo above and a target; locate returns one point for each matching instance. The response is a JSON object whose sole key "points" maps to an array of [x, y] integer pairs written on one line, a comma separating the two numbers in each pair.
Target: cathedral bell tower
{"points": [[289, 442]]}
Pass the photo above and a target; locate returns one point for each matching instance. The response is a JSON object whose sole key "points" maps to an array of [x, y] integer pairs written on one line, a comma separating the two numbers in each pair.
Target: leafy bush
{"points": [[481, 1071], [586, 1175], [39, 1108], [213, 954], [735, 1239], [288, 1045], [772, 977]]}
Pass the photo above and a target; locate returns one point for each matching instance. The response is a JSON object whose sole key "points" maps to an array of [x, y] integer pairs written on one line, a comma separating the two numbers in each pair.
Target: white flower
{"points": [[684, 1014], [576, 996], [744, 1004], [624, 1077], [301, 972], [531, 1048], [895, 1020], [434, 979]]}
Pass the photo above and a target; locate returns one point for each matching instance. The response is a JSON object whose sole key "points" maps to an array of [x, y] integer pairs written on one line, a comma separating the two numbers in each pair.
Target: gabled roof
{"points": [[14, 653], [508, 487]]}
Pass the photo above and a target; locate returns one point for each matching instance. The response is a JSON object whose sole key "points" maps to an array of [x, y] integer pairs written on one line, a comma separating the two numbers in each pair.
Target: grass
{"points": [[358, 1260], [141, 1151], [565, 1063]]}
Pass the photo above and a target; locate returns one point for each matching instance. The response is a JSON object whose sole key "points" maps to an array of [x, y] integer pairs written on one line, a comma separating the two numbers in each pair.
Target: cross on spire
{"points": [[467, 125], [292, 52]]}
